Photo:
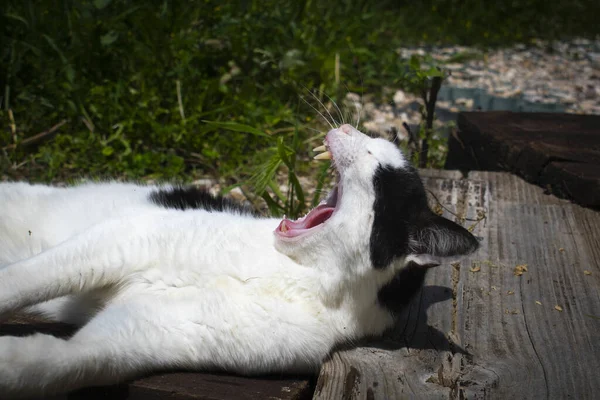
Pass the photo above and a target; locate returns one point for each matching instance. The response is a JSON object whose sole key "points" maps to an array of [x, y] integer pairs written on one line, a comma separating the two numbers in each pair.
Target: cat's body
{"points": [[162, 278]]}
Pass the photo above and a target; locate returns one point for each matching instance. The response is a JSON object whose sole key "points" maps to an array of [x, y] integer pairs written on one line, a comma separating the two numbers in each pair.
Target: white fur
{"points": [[160, 288]]}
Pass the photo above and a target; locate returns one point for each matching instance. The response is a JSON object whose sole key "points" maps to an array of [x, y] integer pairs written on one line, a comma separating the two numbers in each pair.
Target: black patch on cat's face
{"points": [[399, 199], [403, 224], [185, 198]]}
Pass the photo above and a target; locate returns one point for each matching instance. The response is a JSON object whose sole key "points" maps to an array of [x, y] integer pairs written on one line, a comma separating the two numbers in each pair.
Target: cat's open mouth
{"points": [[315, 217]]}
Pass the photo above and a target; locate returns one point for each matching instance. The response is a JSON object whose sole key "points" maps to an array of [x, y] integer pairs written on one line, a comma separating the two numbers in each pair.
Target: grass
{"points": [[181, 89]]}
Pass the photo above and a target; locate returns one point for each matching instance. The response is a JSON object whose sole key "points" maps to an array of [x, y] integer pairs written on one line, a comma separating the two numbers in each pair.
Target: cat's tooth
{"points": [[323, 156], [320, 149], [284, 227]]}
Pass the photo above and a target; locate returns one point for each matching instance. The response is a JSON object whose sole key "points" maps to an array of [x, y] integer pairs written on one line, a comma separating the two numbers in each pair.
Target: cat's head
{"points": [[377, 215]]}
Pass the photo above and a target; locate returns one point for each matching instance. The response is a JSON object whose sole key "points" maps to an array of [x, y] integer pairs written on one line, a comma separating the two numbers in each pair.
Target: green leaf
{"points": [[56, 48], [234, 126], [320, 183], [109, 38], [299, 192], [274, 207], [126, 13], [34, 49], [100, 4], [230, 188], [264, 174], [284, 153], [415, 63], [434, 72], [278, 193], [70, 72], [107, 151], [292, 58], [17, 18]]}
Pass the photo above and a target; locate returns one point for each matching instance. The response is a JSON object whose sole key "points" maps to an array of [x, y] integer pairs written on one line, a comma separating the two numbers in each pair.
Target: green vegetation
{"points": [[179, 89]]}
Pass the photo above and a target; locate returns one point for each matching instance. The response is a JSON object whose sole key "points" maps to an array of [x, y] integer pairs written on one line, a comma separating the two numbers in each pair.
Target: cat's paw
{"points": [[23, 367]]}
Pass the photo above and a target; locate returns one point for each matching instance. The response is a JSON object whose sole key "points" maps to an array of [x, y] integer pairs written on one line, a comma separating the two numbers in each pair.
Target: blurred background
{"points": [[232, 92]]}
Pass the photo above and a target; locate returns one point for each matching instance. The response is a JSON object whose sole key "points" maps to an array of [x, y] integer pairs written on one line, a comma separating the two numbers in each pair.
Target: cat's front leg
{"points": [[120, 343], [97, 258], [22, 360], [43, 365]]}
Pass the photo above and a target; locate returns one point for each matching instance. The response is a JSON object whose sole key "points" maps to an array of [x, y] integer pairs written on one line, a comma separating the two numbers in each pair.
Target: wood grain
{"points": [[560, 152], [484, 334]]}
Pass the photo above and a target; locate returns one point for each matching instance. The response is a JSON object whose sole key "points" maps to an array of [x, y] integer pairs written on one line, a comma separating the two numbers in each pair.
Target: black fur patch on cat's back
{"points": [[190, 197]]}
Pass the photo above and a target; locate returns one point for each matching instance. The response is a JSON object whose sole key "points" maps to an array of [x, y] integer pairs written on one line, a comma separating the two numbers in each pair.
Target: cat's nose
{"points": [[347, 129]]}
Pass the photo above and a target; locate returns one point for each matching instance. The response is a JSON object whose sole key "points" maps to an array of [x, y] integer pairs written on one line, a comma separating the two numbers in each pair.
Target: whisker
{"points": [[323, 105], [362, 96], [336, 106], [358, 106], [348, 114], [348, 91], [313, 129], [318, 112]]}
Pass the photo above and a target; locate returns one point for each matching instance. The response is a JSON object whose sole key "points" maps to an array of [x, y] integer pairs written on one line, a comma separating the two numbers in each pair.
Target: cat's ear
{"points": [[437, 240]]}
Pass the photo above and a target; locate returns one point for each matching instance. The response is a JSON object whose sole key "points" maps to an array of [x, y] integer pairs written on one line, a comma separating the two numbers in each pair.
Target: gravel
{"points": [[562, 76]]}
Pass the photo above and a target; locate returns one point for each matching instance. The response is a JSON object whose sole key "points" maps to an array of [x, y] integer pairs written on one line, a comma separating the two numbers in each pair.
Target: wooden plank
{"points": [[201, 386], [544, 148], [573, 180], [562, 348], [206, 386], [482, 334]]}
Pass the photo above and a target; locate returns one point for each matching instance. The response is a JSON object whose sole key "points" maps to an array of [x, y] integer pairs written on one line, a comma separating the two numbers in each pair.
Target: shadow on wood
{"points": [[413, 322]]}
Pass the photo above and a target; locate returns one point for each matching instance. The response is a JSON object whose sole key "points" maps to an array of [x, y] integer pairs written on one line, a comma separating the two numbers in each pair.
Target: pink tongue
{"points": [[315, 217]]}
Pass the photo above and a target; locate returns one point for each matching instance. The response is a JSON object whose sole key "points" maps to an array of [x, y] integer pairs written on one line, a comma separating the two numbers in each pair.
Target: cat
{"points": [[169, 277]]}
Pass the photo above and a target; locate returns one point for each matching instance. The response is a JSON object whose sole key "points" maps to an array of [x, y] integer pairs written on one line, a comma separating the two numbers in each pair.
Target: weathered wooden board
{"points": [[479, 331], [560, 152], [201, 386]]}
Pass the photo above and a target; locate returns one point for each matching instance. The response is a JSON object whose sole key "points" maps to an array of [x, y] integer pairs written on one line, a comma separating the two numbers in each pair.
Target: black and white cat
{"points": [[170, 277]]}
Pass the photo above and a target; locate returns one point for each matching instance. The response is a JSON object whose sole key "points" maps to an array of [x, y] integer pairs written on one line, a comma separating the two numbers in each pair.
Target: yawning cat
{"points": [[171, 277]]}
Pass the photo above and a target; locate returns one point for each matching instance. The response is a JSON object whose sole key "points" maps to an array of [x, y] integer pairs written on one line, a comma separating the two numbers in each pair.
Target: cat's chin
{"points": [[293, 230]]}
